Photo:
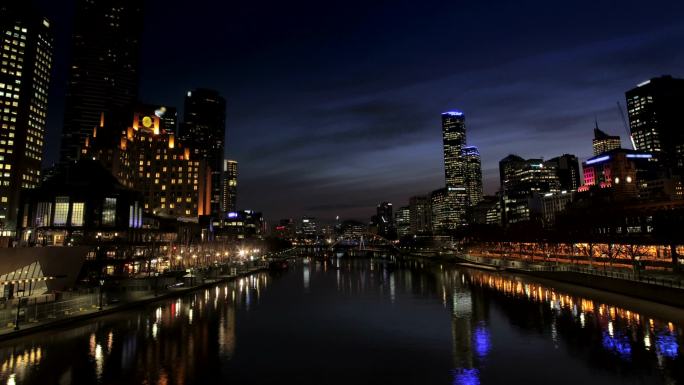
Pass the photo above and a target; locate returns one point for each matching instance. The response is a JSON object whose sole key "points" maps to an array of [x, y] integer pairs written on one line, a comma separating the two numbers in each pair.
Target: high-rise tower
{"points": [[104, 67], [204, 131], [473, 174], [230, 182], [26, 51], [454, 139], [603, 142]]}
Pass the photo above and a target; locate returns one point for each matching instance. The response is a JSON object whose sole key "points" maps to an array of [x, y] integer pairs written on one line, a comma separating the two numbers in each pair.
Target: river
{"points": [[357, 321]]}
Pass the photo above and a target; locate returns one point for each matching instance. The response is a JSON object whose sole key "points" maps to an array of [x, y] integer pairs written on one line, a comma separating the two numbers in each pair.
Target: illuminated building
{"points": [[285, 229], [146, 157], [656, 120], [104, 67], [603, 142], [420, 215], [203, 131], [308, 228], [402, 221], [81, 203], [454, 140], [567, 169], [440, 209], [229, 185], [238, 225], [473, 174], [488, 211], [520, 180], [26, 52], [622, 171]]}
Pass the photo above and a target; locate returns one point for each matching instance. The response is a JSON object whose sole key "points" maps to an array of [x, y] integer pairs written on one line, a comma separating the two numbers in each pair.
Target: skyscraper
{"points": [[420, 215], [204, 131], [104, 67], [656, 120], [454, 139], [230, 182], [473, 174], [26, 51], [603, 142]]}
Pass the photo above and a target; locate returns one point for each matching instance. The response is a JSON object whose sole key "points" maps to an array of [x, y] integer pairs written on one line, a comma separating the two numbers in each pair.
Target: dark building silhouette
{"points": [[567, 169], [104, 67], [26, 49], [383, 220], [204, 131], [656, 120]]}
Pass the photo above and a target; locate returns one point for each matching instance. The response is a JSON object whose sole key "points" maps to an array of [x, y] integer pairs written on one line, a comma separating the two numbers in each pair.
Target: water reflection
{"points": [[358, 321]]}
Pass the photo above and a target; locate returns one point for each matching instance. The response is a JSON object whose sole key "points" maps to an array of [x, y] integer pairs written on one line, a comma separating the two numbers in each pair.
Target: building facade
{"points": [[104, 67], [229, 186], [144, 156], [568, 171], [26, 50], [603, 142], [473, 174], [203, 131], [420, 215], [656, 120], [454, 140]]}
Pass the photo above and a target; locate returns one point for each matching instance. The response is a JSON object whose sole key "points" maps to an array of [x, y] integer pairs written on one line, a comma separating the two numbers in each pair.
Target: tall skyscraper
{"points": [[603, 142], [204, 131], [230, 182], [656, 120], [104, 67], [26, 51], [473, 174], [402, 220], [454, 139]]}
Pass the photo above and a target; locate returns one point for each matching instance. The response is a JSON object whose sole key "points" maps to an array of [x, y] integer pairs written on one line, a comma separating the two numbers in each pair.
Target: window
{"points": [[61, 211], [109, 212], [43, 213], [77, 214]]}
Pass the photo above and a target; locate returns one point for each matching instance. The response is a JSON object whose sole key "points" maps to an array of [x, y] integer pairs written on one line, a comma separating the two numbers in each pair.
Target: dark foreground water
{"points": [[360, 321]]}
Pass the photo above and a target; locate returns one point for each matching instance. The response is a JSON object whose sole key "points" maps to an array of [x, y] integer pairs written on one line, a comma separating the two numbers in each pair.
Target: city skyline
{"points": [[523, 94]]}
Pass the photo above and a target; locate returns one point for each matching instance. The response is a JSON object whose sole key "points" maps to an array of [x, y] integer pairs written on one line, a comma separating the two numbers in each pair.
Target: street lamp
{"points": [[19, 299], [102, 281]]}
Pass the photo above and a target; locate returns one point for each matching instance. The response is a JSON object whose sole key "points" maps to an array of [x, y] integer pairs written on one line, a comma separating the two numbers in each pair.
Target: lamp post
{"points": [[19, 299], [102, 281]]}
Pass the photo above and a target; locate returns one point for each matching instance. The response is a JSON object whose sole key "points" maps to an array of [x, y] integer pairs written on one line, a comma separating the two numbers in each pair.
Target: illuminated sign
{"points": [[453, 113], [232, 215], [640, 156], [147, 122], [597, 160]]}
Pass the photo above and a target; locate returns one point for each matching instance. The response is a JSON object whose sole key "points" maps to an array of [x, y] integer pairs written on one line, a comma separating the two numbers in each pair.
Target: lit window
{"points": [[61, 211], [77, 214], [109, 212]]}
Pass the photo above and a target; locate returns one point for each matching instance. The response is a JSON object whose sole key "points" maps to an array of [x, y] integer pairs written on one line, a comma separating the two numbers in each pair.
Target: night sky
{"points": [[334, 106]]}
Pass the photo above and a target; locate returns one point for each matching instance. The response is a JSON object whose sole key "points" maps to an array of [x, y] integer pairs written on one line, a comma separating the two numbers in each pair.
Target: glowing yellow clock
{"points": [[147, 122]]}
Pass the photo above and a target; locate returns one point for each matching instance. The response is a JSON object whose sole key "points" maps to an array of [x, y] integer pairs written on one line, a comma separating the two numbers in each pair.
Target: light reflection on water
{"points": [[476, 316]]}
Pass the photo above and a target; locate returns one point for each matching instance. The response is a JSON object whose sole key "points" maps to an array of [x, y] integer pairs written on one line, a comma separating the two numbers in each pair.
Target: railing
{"points": [[547, 267]]}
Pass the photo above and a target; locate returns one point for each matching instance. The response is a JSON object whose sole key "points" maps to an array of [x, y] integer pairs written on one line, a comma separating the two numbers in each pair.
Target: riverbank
{"points": [[668, 292], [35, 327]]}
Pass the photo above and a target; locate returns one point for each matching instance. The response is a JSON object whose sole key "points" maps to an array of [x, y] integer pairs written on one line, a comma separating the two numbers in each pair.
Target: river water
{"points": [[365, 321]]}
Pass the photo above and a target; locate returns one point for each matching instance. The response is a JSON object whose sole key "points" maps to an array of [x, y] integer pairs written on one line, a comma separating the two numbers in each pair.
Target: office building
{"points": [[656, 120], [619, 171], [103, 74], [383, 220], [402, 221], [454, 140], [203, 131], [603, 142], [473, 174], [229, 186], [420, 215], [520, 180], [26, 50], [308, 228]]}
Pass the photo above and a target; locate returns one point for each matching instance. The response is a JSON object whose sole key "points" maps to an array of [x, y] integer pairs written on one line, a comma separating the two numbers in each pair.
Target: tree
{"points": [[635, 252], [588, 250], [611, 251]]}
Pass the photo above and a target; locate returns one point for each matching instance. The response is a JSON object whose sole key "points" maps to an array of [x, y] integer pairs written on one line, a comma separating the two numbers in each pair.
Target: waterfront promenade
{"points": [[36, 317]]}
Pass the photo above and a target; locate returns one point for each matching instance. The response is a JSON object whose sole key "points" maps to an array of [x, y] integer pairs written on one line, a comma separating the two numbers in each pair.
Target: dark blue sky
{"points": [[334, 106]]}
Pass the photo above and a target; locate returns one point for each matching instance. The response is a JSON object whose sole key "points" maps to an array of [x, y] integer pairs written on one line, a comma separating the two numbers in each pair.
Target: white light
{"points": [[617, 180], [629, 179]]}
